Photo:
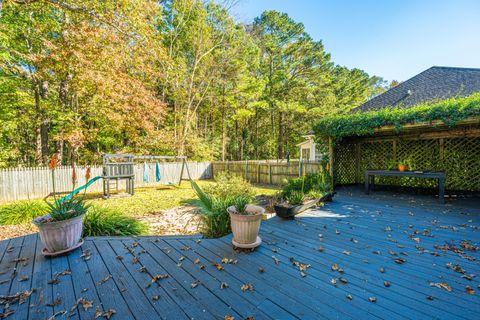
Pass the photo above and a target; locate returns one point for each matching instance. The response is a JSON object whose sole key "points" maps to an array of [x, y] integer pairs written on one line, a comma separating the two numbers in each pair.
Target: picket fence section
{"points": [[36, 182]]}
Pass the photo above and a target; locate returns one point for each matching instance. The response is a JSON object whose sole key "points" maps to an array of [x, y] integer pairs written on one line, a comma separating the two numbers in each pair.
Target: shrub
{"points": [[311, 184], [213, 210], [22, 212], [228, 185], [103, 221]]}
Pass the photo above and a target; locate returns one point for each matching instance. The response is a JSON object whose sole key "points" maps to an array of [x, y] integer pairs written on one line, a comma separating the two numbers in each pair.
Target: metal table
{"points": [[438, 175]]}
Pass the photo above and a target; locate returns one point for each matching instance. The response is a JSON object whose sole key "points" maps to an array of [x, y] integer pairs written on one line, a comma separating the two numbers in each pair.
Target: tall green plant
{"points": [[215, 218]]}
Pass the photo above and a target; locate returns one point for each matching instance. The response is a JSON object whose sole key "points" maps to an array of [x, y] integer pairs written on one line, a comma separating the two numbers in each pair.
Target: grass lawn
{"points": [[152, 200]]}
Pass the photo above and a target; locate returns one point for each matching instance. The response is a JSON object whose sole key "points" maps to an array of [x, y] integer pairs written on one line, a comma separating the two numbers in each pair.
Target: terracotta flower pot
{"points": [[59, 235], [402, 167], [245, 227]]}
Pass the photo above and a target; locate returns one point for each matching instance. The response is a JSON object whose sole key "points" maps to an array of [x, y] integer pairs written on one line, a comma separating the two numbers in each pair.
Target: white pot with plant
{"points": [[61, 229], [245, 221]]}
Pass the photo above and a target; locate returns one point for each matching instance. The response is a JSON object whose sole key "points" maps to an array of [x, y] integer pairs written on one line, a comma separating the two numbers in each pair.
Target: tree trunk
{"points": [[280, 135], [38, 130]]}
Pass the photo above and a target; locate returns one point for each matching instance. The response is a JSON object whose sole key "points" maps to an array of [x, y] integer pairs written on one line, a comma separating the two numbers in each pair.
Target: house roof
{"points": [[433, 84]]}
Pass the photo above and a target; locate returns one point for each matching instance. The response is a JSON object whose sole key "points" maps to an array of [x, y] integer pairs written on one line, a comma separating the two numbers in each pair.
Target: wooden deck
{"points": [[411, 239]]}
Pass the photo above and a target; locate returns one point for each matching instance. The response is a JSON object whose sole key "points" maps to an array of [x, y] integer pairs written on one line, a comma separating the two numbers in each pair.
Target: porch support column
{"points": [[330, 157]]}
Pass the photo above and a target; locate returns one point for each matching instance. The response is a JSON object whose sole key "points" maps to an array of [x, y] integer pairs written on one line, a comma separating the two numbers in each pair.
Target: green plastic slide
{"points": [[74, 192]]}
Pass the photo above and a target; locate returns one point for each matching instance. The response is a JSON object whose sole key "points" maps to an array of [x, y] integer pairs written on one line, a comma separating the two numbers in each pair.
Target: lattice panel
{"points": [[458, 157], [345, 166], [419, 155], [374, 155], [461, 162]]}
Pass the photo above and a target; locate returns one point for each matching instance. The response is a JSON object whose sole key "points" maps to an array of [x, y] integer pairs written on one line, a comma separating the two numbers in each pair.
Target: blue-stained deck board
{"points": [[350, 230]]}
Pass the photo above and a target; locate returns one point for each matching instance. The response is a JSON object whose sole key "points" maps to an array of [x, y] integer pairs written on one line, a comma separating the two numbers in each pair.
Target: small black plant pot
{"points": [[288, 212]]}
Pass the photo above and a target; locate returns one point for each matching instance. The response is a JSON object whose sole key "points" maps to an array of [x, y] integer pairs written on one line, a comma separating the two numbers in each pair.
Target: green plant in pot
{"points": [[245, 219], [61, 229]]}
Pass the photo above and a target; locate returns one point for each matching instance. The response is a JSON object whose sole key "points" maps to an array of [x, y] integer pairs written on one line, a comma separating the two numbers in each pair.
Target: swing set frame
{"points": [[117, 166]]}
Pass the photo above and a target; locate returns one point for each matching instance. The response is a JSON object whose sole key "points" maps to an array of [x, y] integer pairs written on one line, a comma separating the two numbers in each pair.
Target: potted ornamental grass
{"points": [[303, 193], [245, 219], [61, 229]]}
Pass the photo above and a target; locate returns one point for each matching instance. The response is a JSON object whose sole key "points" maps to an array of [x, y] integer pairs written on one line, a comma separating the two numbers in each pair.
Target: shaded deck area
{"points": [[376, 256]]}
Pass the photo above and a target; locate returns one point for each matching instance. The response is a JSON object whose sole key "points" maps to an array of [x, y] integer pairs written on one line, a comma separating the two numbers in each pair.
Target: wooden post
{"points": [[246, 170], [270, 173], [330, 156]]}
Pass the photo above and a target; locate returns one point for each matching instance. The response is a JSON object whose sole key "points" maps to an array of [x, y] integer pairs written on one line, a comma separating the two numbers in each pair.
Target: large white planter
{"points": [[245, 227], [60, 236]]}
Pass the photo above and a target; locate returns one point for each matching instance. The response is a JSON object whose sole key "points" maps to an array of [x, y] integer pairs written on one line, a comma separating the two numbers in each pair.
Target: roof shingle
{"points": [[433, 84]]}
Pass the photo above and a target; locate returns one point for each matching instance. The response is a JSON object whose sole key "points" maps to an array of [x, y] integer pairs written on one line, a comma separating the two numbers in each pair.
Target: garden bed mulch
{"points": [[13, 231], [175, 221]]}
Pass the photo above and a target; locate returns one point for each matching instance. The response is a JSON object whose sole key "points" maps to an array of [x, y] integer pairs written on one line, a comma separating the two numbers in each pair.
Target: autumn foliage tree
{"points": [[160, 77]]}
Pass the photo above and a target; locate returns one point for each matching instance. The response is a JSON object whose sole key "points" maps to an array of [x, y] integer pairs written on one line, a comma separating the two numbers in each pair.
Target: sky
{"points": [[394, 39]]}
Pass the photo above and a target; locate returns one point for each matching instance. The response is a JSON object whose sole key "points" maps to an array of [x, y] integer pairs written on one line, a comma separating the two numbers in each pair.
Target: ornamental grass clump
{"points": [[213, 211], [103, 221]]}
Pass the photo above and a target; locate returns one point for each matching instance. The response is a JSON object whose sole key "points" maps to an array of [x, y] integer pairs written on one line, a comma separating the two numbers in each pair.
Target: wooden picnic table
{"points": [[438, 175]]}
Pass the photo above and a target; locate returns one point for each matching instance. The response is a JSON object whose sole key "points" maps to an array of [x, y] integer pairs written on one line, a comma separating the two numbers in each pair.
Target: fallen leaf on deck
{"points": [[223, 285], [85, 303], [337, 232], [469, 290], [386, 284], [185, 248], [218, 266], [429, 297], [197, 261], [228, 317], [302, 274], [399, 261], [349, 297], [343, 280], [159, 277], [195, 283], [321, 249], [98, 313], [345, 252], [247, 286], [86, 255], [376, 252], [468, 276], [142, 269], [23, 278], [417, 240], [7, 313], [107, 315], [333, 281], [105, 279], [441, 285], [372, 299], [382, 270], [455, 267], [119, 257], [276, 260], [334, 267], [156, 298], [261, 269], [56, 302]]}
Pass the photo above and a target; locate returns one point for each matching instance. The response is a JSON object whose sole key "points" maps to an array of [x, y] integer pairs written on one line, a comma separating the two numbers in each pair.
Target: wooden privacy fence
{"points": [[267, 171], [34, 183]]}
